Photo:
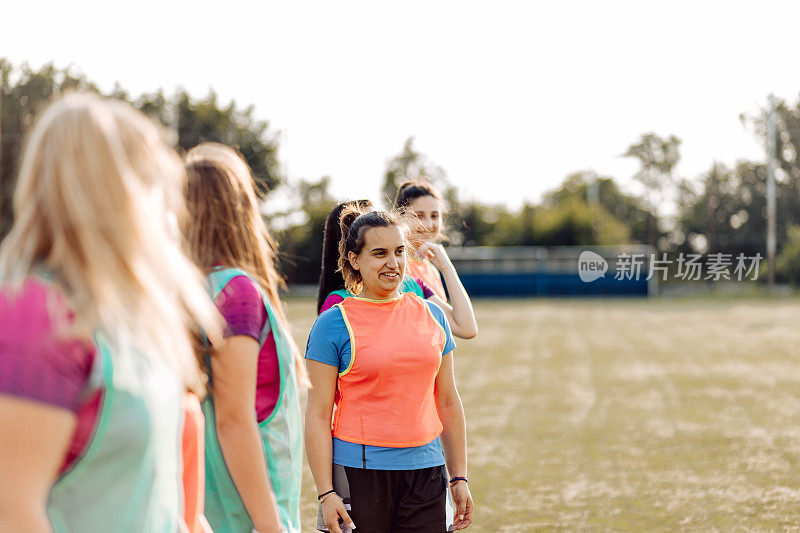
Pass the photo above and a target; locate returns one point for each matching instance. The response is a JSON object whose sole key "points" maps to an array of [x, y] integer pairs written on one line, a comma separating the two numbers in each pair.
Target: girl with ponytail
{"points": [[332, 284], [380, 364], [253, 420], [428, 260]]}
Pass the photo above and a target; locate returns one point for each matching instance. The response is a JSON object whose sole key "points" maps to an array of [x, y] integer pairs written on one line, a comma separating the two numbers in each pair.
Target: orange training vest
{"points": [[425, 271], [385, 397]]}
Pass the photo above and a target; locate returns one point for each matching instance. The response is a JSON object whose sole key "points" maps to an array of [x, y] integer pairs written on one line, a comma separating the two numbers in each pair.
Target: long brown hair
{"points": [[330, 278], [227, 227]]}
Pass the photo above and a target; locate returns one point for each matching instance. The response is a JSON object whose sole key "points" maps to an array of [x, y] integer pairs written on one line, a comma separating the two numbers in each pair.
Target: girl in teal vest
{"points": [[253, 418], [95, 355]]}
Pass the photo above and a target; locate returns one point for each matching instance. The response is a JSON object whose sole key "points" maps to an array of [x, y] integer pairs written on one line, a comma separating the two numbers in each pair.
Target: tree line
{"points": [[721, 211]]}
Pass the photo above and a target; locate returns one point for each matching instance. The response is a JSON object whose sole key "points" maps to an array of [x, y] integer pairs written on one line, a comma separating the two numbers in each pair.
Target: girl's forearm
{"points": [[454, 436], [319, 449], [463, 316], [243, 451]]}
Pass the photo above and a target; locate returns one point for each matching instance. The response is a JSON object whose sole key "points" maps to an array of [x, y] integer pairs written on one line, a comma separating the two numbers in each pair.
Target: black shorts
{"points": [[395, 501]]}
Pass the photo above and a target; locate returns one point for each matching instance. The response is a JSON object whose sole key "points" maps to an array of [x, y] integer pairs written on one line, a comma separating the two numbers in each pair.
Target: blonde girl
{"points": [[96, 307]]}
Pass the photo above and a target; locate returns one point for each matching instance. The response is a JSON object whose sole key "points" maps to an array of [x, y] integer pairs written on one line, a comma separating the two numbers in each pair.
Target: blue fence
{"points": [[549, 285], [547, 272]]}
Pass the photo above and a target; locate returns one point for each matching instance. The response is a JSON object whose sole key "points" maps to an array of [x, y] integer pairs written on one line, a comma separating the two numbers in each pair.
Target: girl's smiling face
{"points": [[429, 212], [382, 261]]}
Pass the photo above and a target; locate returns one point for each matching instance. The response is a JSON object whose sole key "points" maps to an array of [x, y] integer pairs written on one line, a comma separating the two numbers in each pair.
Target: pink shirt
{"points": [[40, 363], [240, 304]]}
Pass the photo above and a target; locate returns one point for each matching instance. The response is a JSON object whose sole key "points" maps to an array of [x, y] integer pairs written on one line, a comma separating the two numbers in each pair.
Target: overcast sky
{"points": [[507, 97]]}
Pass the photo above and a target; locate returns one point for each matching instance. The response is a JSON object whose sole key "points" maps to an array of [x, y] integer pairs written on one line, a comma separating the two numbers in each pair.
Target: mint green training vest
{"points": [[282, 435], [129, 476]]}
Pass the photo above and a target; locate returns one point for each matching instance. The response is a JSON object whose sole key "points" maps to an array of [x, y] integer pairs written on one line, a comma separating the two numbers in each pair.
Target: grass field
{"points": [[628, 415]]}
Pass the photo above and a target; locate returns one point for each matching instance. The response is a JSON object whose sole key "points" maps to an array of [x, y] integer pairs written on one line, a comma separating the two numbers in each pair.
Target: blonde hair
{"points": [[97, 205], [227, 227]]}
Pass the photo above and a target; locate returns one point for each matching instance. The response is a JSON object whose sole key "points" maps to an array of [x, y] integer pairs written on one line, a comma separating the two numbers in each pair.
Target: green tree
{"points": [[627, 209], [472, 223], [25, 91], [20, 101], [570, 223], [657, 159], [787, 264], [301, 241], [411, 164], [787, 175], [729, 210], [205, 120]]}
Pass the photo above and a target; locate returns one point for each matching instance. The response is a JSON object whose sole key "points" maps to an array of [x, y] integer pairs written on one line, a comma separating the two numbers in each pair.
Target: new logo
{"points": [[591, 266]]}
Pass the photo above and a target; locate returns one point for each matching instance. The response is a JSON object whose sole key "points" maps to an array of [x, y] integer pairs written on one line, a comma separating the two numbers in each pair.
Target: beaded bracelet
{"points": [[321, 496], [455, 480]]}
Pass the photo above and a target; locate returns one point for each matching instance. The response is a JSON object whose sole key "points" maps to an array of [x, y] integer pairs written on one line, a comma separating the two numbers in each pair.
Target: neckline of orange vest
{"points": [[380, 301]]}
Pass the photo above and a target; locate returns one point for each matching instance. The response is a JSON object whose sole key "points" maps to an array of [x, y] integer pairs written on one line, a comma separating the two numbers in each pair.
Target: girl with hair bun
{"points": [[97, 300], [253, 444], [428, 261], [332, 289], [381, 368]]}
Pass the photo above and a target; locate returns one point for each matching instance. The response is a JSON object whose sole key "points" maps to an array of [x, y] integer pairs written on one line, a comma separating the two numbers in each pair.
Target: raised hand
{"points": [[435, 253]]}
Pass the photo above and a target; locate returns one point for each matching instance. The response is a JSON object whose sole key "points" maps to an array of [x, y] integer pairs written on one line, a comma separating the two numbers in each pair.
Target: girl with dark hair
{"points": [[428, 261], [381, 367], [332, 286], [331, 283], [253, 420]]}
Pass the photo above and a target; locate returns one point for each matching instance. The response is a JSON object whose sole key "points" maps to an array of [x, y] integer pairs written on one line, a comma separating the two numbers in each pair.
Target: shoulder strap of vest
{"points": [[422, 303], [411, 285], [429, 312], [220, 276], [344, 293], [349, 327]]}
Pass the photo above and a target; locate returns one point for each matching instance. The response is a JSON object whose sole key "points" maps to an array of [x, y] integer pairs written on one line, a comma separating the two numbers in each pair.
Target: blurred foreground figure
{"points": [[95, 352]]}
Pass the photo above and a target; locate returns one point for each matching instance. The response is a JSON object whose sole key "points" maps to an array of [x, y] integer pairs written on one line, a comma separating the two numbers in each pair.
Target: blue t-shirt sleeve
{"points": [[438, 314], [329, 340]]}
